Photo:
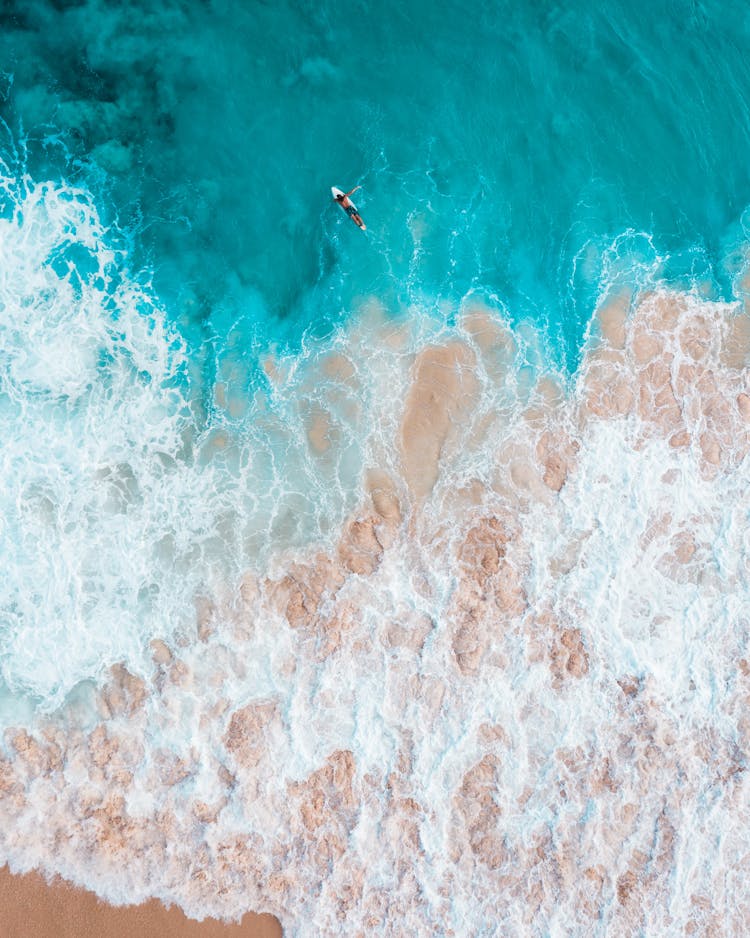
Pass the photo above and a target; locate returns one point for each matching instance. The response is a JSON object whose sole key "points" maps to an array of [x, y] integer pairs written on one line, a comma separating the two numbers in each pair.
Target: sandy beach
{"points": [[31, 908]]}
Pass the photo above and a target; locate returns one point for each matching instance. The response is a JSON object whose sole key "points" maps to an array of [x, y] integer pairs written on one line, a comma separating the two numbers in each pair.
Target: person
{"points": [[345, 202]]}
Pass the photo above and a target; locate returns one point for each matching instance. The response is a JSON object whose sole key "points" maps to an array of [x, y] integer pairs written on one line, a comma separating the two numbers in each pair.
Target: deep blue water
{"points": [[502, 147]]}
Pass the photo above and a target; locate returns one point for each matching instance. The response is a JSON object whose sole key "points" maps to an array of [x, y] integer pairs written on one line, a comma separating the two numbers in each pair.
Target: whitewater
{"points": [[434, 639]]}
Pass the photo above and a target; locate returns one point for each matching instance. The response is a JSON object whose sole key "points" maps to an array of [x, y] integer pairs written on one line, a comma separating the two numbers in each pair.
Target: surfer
{"points": [[345, 202]]}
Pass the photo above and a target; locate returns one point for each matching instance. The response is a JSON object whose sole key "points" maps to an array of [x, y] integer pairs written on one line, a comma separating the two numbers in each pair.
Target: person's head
{"points": [[339, 196]]}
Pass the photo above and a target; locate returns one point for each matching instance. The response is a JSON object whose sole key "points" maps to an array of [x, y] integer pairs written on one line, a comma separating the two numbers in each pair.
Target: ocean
{"points": [[394, 578]]}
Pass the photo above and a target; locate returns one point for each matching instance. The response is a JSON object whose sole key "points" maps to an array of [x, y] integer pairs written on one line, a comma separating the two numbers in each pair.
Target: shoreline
{"points": [[33, 907]]}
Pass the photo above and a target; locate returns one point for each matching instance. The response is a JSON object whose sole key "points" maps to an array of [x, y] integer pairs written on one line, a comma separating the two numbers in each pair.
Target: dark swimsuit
{"points": [[350, 210]]}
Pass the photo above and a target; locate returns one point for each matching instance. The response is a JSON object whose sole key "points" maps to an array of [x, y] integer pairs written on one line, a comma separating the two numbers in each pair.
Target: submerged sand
{"points": [[509, 696]]}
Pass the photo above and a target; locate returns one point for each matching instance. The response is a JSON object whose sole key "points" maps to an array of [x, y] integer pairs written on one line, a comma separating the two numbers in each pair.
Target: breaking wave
{"points": [[419, 634]]}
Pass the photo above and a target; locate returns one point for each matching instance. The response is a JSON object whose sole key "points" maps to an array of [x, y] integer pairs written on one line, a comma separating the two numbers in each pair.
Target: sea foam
{"points": [[484, 670], [124, 493]]}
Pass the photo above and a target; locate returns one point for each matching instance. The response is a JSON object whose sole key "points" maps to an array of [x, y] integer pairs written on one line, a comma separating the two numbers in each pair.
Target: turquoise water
{"points": [[166, 222], [524, 151]]}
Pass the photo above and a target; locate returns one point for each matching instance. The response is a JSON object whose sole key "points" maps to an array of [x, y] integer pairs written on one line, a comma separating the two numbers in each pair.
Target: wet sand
{"points": [[31, 908]]}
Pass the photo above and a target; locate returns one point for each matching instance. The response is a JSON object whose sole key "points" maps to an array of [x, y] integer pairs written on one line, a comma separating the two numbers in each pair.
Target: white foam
{"points": [[354, 760], [119, 504]]}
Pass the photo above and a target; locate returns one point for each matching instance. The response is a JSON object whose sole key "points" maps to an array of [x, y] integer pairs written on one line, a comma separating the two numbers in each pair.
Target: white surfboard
{"points": [[335, 192]]}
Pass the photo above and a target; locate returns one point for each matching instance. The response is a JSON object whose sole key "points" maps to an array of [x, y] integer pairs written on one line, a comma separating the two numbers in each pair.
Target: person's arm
{"points": [[352, 191]]}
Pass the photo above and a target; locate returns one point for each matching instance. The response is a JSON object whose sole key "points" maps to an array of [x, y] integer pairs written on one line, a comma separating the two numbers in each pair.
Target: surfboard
{"points": [[336, 192]]}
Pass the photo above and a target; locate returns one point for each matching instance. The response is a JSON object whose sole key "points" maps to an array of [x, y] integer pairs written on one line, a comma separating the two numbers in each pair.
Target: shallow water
{"points": [[390, 576]]}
